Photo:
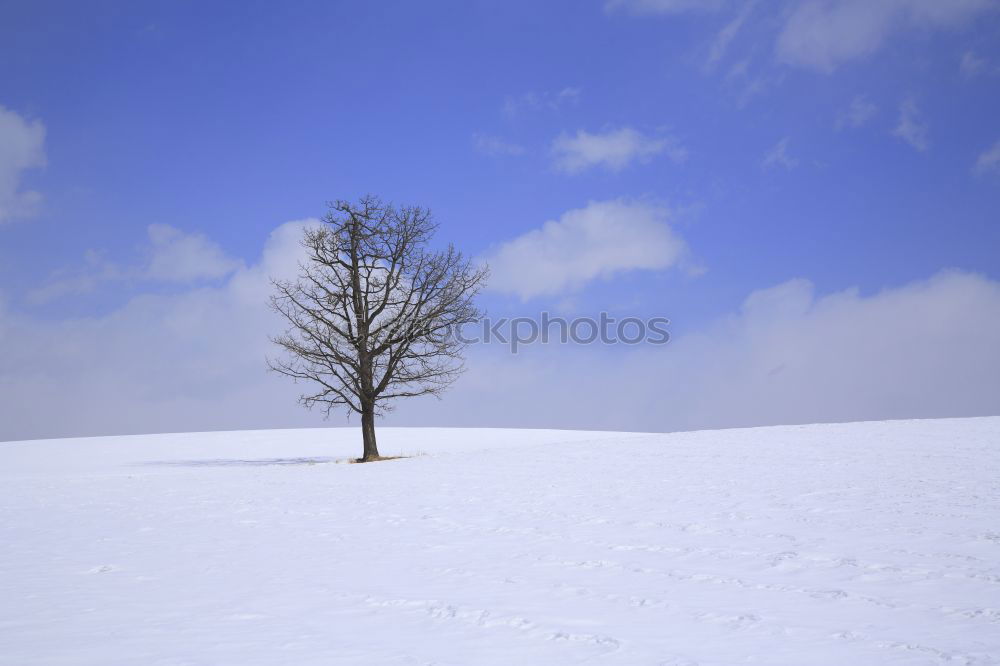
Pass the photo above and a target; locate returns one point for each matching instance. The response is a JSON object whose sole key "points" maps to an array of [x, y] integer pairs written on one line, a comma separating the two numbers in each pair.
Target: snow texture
{"points": [[864, 543]]}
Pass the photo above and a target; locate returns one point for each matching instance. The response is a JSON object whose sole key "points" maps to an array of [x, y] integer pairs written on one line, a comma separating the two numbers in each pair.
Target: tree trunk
{"points": [[368, 432]]}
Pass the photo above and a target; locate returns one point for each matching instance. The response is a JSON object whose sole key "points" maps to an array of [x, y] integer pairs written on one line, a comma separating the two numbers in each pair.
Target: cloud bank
{"points": [[922, 350], [190, 359], [194, 359]]}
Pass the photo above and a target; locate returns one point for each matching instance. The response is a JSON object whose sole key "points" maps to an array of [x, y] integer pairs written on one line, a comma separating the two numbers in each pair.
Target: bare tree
{"points": [[373, 314]]}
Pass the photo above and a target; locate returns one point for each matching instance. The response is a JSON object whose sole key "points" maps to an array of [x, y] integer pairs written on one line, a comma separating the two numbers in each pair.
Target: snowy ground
{"points": [[870, 543]]}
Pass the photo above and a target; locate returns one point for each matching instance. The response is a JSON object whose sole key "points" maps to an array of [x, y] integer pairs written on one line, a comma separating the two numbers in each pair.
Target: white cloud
{"points": [[824, 34], [778, 156], [614, 149], [495, 146], [911, 128], [551, 100], [858, 113], [585, 244], [22, 147], [663, 6], [989, 160]]}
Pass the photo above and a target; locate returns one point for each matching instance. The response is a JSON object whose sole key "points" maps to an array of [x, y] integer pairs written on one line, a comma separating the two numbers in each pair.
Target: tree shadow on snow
{"points": [[236, 462]]}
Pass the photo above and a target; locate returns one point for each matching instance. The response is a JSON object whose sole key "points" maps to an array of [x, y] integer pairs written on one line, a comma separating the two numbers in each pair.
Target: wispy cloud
{"points": [[858, 113], [910, 127], [514, 105], [971, 64], [97, 271], [595, 242], [22, 147], [726, 35], [171, 256], [747, 84], [989, 160], [488, 144], [823, 35], [663, 6], [778, 156], [613, 150]]}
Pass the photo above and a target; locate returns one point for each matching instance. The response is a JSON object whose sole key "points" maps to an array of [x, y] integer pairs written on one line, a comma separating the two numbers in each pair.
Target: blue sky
{"points": [[149, 150]]}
